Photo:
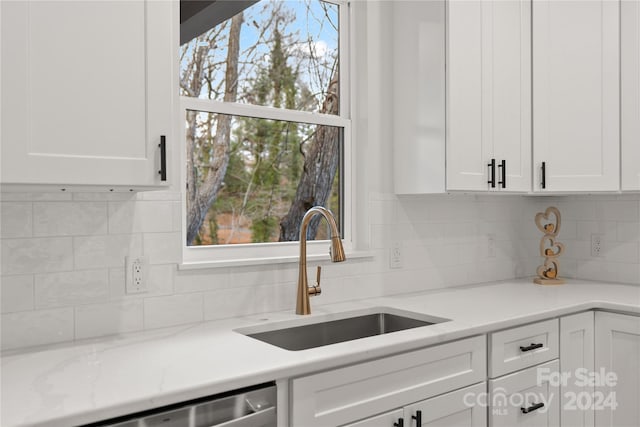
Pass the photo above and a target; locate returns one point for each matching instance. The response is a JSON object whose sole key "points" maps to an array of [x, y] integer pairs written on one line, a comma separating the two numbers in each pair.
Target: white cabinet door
{"points": [[458, 408], [576, 95], [630, 91], [618, 352], [576, 361], [525, 398], [489, 95], [419, 96], [351, 393], [86, 91], [468, 153], [388, 419]]}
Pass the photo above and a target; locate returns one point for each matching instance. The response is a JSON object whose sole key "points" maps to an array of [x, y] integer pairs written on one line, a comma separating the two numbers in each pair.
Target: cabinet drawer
{"points": [[343, 395], [528, 390], [521, 347]]}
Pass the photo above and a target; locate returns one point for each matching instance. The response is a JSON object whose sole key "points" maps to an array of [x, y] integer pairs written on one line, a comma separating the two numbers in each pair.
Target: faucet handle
{"points": [[315, 290]]}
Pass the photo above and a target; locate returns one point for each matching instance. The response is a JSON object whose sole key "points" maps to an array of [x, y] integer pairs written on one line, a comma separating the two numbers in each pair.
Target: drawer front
{"points": [[525, 398], [519, 348], [344, 395], [388, 419]]}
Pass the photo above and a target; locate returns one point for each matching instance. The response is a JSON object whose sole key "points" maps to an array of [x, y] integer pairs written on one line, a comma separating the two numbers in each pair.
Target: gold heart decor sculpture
{"points": [[548, 270], [549, 247], [545, 222], [549, 223]]}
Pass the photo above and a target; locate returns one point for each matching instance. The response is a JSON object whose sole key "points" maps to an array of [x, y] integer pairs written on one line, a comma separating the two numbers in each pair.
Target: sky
{"points": [[308, 23]]}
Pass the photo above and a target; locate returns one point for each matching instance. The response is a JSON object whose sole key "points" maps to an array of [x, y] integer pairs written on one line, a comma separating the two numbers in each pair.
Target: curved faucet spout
{"points": [[337, 255]]}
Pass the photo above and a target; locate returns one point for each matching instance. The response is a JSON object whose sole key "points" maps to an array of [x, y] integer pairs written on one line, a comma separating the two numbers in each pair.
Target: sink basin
{"points": [[331, 331]]}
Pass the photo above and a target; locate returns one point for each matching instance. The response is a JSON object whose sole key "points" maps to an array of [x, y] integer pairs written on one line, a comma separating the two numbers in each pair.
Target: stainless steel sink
{"points": [[350, 328]]}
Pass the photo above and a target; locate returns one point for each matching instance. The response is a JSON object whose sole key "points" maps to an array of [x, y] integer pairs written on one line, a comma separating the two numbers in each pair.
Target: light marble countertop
{"points": [[99, 379]]}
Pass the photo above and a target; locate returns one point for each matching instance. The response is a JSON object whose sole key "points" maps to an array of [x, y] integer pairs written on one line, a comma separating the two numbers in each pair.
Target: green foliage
{"points": [[262, 230], [265, 159]]}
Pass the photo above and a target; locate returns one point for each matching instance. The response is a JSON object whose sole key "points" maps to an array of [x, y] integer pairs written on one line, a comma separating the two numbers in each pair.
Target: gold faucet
{"points": [[337, 255]]}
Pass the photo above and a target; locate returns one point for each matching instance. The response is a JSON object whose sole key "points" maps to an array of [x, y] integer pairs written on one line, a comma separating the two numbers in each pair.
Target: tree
{"points": [[202, 191], [243, 172], [321, 160]]}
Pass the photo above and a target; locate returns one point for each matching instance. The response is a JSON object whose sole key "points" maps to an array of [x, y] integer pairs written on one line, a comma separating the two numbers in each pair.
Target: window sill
{"points": [[269, 260]]}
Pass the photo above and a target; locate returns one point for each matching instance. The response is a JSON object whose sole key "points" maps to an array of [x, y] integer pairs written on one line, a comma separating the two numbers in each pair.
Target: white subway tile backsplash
{"points": [[252, 276], [584, 230], [71, 288], [109, 318], [628, 231], [622, 252], [568, 230], [67, 251], [161, 195], [140, 217], [107, 196], [177, 216], [240, 301], [161, 279], [382, 212], [620, 210], [28, 328], [105, 251], [628, 273], [31, 197], [201, 280], [173, 310], [16, 293], [37, 255], [230, 302], [69, 219], [117, 284], [163, 248], [597, 270], [578, 210], [16, 219]]}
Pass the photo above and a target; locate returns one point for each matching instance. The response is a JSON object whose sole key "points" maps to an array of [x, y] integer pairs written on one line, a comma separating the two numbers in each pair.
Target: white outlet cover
{"points": [[136, 283]]}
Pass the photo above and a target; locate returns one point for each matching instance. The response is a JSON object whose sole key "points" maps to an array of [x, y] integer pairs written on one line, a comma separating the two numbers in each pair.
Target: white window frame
{"points": [[279, 252]]}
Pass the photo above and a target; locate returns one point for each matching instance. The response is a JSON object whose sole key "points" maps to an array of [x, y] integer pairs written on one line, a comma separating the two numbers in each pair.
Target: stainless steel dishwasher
{"points": [[251, 407]]}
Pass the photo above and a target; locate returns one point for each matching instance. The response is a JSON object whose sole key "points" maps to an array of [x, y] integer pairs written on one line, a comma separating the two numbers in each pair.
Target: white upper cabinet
{"points": [[576, 95], [630, 90], [489, 95], [86, 91], [419, 96]]}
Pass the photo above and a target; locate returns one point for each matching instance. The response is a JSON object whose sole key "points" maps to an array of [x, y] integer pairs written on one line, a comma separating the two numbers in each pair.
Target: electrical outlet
{"points": [[395, 255], [136, 274], [597, 245], [491, 245]]}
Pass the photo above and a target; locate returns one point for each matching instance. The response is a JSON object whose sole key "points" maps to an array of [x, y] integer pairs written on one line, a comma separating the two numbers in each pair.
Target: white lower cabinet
{"points": [[346, 395], [617, 360], [458, 408], [454, 409], [576, 362], [388, 419], [577, 371], [523, 361], [525, 398]]}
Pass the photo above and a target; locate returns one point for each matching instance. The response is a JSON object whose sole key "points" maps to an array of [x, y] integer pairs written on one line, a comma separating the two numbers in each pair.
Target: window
{"points": [[264, 88]]}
